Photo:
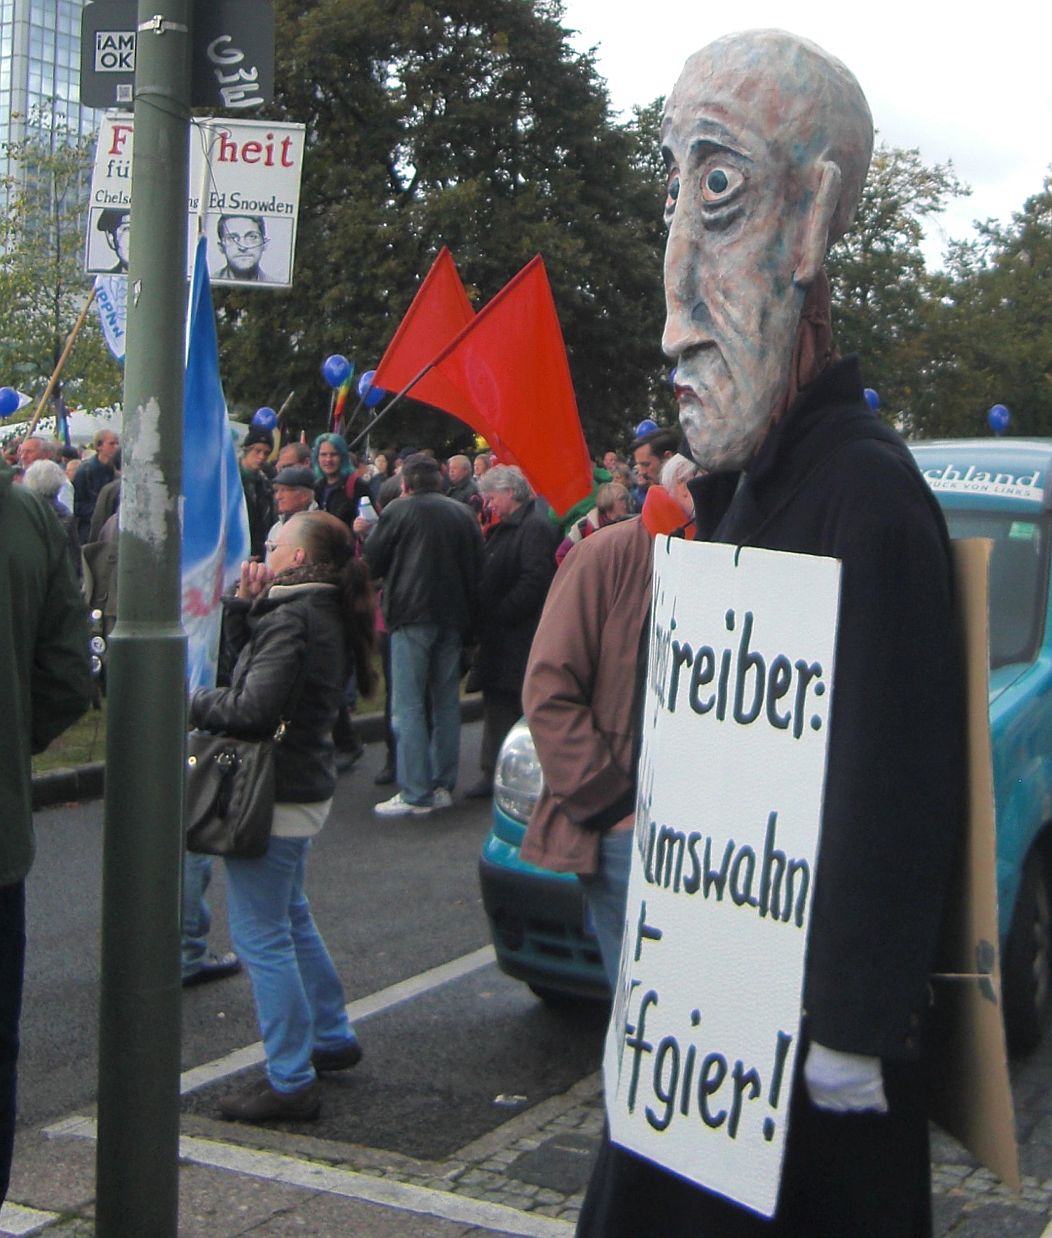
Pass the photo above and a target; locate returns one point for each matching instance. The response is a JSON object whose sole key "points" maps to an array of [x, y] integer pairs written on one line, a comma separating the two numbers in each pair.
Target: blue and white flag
{"points": [[111, 300], [215, 519]]}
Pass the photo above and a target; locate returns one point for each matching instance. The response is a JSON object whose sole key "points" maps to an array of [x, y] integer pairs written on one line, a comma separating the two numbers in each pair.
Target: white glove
{"points": [[844, 1082]]}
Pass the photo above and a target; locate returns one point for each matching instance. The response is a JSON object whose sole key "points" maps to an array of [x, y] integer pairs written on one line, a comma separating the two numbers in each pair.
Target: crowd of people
{"points": [[462, 555], [471, 568], [441, 565], [476, 579]]}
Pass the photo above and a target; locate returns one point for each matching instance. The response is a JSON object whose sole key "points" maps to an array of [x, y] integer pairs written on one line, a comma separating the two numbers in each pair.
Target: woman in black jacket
{"points": [[296, 625]]}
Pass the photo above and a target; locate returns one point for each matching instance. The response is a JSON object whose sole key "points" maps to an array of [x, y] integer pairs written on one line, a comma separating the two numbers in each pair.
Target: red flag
{"points": [[440, 310], [510, 363]]}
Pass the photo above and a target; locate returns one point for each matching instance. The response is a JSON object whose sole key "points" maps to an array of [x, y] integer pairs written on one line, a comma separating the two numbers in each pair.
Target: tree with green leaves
{"points": [[992, 328], [471, 125], [881, 288], [42, 281]]}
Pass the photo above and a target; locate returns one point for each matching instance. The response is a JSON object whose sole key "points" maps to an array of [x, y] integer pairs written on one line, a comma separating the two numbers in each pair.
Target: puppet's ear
{"points": [[815, 238]]}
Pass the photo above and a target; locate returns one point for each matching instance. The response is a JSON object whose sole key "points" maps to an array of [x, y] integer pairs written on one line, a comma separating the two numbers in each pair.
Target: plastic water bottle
{"points": [[366, 510]]}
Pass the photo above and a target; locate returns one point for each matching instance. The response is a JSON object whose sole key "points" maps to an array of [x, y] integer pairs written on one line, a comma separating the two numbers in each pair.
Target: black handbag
{"points": [[230, 787], [229, 794]]}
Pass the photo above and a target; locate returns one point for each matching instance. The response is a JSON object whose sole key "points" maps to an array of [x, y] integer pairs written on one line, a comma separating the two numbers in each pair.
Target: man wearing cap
{"points": [[293, 492], [115, 225]]}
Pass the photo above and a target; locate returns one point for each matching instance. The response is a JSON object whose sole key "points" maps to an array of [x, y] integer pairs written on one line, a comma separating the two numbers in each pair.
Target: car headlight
{"points": [[518, 778]]}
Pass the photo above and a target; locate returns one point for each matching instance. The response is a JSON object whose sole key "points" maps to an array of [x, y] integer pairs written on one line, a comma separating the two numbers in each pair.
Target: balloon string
{"points": [[347, 422], [372, 424]]}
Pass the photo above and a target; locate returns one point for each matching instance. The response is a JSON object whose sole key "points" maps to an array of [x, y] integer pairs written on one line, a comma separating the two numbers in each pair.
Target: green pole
{"points": [[138, 1128]]}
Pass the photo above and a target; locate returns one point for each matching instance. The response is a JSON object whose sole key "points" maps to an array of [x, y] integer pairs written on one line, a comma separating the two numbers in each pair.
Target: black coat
{"points": [[832, 479], [428, 550], [88, 480], [259, 499], [294, 629], [337, 502], [518, 570]]}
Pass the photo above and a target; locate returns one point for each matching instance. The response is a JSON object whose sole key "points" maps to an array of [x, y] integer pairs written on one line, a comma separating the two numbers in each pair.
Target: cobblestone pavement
{"points": [[527, 1177]]}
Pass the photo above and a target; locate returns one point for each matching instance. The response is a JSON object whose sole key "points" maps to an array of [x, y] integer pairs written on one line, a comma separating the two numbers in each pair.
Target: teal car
{"points": [[999, 489], [1002, 490], [538, 919]]}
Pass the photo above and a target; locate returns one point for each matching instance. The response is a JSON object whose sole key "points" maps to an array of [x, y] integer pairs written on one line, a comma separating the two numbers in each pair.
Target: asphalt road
{"points": [[394, 898], [446, 1065]]}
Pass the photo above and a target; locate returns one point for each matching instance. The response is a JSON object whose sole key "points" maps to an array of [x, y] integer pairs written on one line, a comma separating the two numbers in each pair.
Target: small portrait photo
{"points": [[109, 239], [249, 249]]}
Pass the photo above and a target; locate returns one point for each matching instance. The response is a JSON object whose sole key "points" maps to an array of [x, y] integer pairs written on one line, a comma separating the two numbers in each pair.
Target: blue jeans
{"points": [[607, 893], [425, 660], [197, 919], [299, 997]]}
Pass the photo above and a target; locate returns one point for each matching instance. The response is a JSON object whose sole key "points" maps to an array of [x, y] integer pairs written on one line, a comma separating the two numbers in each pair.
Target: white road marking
{"points": [[383, 999], [17, 1220], [349, 1184]]}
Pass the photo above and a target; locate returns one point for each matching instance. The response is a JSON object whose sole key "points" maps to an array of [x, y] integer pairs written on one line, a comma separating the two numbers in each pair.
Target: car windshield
{"points": [[1018, 579]]}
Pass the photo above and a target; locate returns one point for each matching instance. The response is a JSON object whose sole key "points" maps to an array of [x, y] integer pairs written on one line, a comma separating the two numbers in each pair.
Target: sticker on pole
{"points": [[703, 1036]]}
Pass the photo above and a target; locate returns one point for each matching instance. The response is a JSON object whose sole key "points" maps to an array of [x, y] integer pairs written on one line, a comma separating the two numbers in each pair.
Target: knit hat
{"points": [[256, 435]]}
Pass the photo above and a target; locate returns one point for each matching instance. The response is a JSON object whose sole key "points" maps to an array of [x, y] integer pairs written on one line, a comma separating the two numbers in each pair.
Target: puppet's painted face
{"points": [[741, 153]]}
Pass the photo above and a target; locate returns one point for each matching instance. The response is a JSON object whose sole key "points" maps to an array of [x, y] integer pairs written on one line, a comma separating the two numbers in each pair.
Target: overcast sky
{"points": [[961, 82]]}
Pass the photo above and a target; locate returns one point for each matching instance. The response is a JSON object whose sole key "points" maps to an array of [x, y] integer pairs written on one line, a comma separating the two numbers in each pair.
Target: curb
{"points": [[86, 782]]}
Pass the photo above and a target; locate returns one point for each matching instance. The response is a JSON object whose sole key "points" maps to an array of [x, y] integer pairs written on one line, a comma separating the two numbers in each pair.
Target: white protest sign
{"points": [[703, 1036], [249, 172]]}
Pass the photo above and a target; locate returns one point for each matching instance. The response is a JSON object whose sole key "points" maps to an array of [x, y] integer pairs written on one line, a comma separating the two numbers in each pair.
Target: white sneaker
{"points": [[396, 806], [441, 798]]}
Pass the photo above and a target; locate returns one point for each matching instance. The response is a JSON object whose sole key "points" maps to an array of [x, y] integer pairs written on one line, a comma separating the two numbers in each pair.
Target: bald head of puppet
{"points": [[767, 141]]}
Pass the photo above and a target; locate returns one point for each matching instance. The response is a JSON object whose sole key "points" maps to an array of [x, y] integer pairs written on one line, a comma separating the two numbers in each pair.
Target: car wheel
{"points": [[1027, 978], [553, 997], [559, 999]]}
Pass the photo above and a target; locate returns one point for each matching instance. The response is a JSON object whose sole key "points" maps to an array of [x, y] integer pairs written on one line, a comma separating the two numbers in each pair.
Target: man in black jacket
{"points": [[767, 140], [427, 549], [518, 569]]}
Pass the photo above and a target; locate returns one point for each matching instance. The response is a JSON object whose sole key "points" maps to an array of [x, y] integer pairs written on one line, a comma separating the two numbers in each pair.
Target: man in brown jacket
{"points": [[581, 701]]}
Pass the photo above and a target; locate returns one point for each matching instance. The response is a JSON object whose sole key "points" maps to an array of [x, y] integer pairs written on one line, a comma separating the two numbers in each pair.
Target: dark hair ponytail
{"points": [[359, 620], [327, 544]]}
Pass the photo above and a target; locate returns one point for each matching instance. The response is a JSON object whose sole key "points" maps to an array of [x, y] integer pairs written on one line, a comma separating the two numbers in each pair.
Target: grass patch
{"points": [[84, 742]]}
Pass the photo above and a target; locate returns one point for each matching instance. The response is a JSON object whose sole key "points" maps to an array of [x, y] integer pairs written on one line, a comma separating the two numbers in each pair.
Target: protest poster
{"points": [[703, 1036], [248, 174]]}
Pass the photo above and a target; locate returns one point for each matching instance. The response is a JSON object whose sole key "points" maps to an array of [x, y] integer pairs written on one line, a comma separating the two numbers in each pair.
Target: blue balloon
{"points": [[336, 369], [265, 418], [998, 418], [872, 399], [645, 427], [370, 395], [8, 401]]}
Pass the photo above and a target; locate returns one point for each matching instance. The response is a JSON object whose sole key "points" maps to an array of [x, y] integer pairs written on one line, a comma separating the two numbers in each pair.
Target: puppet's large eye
{"points": [[672, 191], [718, 183]]}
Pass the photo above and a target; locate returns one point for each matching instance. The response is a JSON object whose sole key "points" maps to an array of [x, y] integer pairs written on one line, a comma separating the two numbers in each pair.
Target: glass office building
{"points": [[40, 62]]}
